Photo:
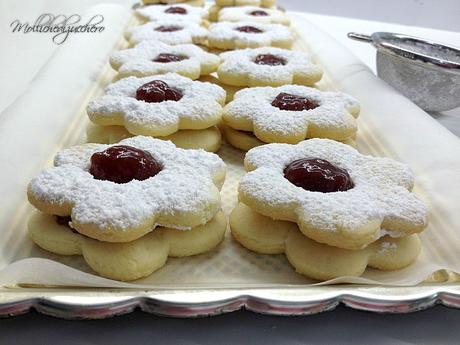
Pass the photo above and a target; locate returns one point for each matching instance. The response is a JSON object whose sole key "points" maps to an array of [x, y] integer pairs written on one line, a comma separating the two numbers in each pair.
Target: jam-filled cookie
{"points": [[130, 260], [168, 2], [209, 139], [292, 113], [151, 58], [315, 260], [268, 66], [262, 3], [168, 31], [119, 193], [228, 35], [253, 14], [336, 195], [178, 12], [158, 105]]}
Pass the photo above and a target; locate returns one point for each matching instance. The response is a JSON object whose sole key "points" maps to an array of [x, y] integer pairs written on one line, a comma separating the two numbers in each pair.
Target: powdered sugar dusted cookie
{"points": [[167, 2], [118, 193], [268, 66], [158, 105], [131, 260], [319, 261], [208, 139], [253, 14], [336, 195], [169, 32], [151, 58], [262, 3], [178, 12], [292, 113], [227, 35]]}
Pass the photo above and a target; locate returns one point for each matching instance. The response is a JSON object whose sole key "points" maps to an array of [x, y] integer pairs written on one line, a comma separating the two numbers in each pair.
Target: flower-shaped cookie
{"points": [[151, 58], [228, 35], [168, 31], [291, 113], [168, 2], [268, 66], [118, 193], [316, 260], [131, 260], [180, 12], [158, 105], [253, 14], [262, 3], [336, 195]]}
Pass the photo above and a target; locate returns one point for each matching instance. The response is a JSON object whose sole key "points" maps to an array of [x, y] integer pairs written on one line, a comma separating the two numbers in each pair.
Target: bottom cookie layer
{"points": [[131, 260], [230, 90], [319, 261], [208, 139], [246, 140]]}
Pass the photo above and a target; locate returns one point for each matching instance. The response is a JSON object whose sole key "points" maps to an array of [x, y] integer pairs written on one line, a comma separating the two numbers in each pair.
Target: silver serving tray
{"points": [[103, 303]]}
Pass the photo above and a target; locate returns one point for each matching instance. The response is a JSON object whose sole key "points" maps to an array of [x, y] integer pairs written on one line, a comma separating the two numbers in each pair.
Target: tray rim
{"points": [[190, 303]]}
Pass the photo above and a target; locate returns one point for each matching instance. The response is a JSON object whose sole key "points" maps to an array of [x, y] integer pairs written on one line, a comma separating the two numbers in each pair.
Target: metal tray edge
{"points": [[184, 304]]}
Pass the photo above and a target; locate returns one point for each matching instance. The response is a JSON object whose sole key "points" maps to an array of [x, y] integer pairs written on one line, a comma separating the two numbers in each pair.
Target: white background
{"points": [[343, 326]]}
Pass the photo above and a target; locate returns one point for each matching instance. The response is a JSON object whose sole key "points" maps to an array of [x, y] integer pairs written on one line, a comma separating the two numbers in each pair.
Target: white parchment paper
{"points": [[51, 116]]}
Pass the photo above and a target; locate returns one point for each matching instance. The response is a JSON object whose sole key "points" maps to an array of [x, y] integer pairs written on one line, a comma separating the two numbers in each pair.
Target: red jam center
{"points": [[63, 220], [168, 28], [122, 164], [286, 101], [157, 91], [269, 59], [249, 29], [258, 13], [318, 175], [165, 58], [176, 10]]}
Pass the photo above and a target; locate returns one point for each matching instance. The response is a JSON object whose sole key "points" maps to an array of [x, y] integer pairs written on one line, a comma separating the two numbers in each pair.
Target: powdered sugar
{"points": [[160, 12], [185, 184], [253, 108], [241, 62], [380, 191], [138, 61], [226, 33], [243, 13], [189, 32], [263, 3], [201, 102]]}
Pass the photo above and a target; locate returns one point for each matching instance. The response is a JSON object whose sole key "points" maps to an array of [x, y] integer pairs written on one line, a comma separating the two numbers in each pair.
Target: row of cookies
{"points": [[329, 209], [116, 195]]}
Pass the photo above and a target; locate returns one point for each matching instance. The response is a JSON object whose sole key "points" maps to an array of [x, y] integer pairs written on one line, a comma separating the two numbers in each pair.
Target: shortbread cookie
{"points": [[169, 32], [131, 260], [213, 13], [177, 12], [247, 140], [292, 113], [118, 193], [152, 58], [268, 66], [253, 14], [262, 3], [208, 139], [158, 105], [336, 195], [230, 90], [319, 261], [167, 2], [228, 35]]}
